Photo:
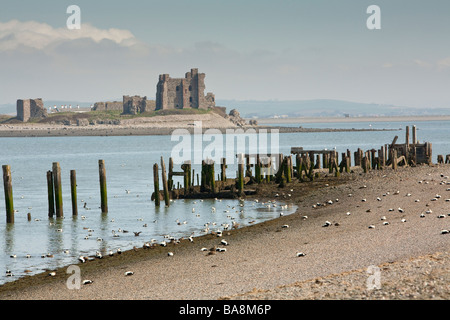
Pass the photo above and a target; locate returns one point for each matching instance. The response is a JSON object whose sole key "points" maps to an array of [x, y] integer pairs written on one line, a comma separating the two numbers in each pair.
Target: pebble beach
{"points": [[391, 220]]}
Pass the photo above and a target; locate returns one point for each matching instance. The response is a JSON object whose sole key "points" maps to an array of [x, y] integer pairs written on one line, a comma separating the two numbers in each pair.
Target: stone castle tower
{"points": [[181, 93], [30, 109]]}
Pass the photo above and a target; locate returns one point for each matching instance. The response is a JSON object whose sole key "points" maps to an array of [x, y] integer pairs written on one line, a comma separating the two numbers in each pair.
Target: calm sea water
{"points": [[129, 168]]}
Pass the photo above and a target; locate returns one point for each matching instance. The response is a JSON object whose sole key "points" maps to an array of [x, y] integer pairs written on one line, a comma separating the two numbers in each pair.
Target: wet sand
{"points": [[263, 258]]}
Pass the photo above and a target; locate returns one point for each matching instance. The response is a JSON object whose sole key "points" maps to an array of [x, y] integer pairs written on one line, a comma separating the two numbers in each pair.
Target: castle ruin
{"points": [[136, 104], [30, 109], [181, 93]]}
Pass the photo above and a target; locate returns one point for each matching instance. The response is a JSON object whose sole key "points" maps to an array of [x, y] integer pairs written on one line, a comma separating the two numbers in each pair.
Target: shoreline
{"points": [[262, 257], [37, 130]]}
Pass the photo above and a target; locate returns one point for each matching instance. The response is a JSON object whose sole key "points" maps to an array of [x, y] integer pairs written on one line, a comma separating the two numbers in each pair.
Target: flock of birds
{"points": [[427, 211], [219, 229], [211, 227]]}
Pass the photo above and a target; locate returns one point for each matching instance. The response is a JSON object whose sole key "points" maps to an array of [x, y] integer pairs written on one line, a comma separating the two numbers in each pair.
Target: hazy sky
{"points": [[249, 50]]}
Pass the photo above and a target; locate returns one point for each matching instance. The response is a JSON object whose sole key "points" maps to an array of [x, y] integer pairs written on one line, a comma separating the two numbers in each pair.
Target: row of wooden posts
{"points": [[307, 164], [54, 190]]}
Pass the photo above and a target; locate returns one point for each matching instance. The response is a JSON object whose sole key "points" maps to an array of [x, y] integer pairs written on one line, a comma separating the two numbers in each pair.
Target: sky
{"points": [[249, 50]]}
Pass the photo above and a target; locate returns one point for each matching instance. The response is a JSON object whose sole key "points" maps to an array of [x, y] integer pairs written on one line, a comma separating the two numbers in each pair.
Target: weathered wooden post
{"points": [[186, 167], [287, 169], [394, 159], [164, 181], [73, 192], [156, 184], [325, 160], [317, 166], [212, 178], [223, 169], [258, 169], [189, 174], [58, 190], [407, 137], [414, 136], [103, 190], [170, 181], [382, 156], [299, 160], [50, 192], [203, 177], [241, 174], [365, 164], [7, 185]]}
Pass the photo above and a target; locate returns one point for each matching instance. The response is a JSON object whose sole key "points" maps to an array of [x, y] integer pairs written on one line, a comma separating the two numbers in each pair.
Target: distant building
{"points": [[181, 93], [30, 109]]}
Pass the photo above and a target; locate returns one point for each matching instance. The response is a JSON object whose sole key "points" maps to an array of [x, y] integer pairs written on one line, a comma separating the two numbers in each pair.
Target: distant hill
{"points": [[323, 108]]}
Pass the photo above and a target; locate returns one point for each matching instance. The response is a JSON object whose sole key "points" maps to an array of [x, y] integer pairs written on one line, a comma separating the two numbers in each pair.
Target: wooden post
{"points": [[51, 198], [325, 160], [317, 166], [58, 191], [212, 178], [9, 203], [407, 137], [223, 171], [300, 167], [203, 177], [156, 184], [288, 169], [394, 159], [414, 136], [241, 174], [258, 169], [73, 191], [103, 190], [186, 170], [164, 181], [170, 181], [189, 174], [382, 156]]}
